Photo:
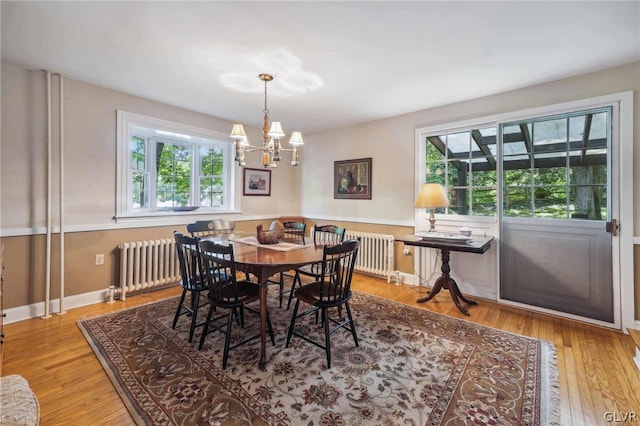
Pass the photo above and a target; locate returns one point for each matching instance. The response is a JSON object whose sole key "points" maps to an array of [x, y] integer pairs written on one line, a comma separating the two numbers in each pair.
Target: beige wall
{"points": [[90, 126]]}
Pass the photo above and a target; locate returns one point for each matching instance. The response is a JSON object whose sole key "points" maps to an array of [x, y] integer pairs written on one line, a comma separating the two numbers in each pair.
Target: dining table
{"points": [[263, 261]]}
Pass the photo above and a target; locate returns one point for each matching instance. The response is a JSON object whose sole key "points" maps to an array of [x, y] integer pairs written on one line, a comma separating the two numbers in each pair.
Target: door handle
{"points": [[612, 227]]}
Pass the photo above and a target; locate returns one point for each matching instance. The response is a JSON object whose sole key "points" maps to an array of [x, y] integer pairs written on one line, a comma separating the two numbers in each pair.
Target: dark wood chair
{"points": [[208, 228], [227, 293], [192, 282], [333, 290], [294, 232], [322, 235]]}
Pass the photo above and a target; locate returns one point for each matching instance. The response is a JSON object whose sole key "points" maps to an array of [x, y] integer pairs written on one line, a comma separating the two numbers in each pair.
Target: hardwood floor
{"points": [[596, 371]]}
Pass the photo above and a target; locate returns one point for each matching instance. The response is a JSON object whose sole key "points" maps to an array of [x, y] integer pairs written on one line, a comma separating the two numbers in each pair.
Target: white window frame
{"points": [[126, 122]]}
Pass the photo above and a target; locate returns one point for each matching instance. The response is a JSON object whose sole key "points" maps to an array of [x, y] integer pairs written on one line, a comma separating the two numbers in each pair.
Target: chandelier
{"points": [[270, 138]]}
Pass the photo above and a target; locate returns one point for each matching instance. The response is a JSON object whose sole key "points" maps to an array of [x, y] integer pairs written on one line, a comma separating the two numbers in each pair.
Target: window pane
{"points": [[436, 172], [483, 202], [138, 153], [588, 202], [174, 175], [517, 202], [211, 192], [551, 202], [457, 173], [436, 148], [517, 177], [550, 132], [588, 175], [550, 176], [458, 142], [483, 172], [212, 161], [459, 201], [140, 191]]}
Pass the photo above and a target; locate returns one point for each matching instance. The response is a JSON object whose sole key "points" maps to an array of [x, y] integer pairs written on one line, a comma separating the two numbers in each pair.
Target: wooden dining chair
{"points": [[208, 228], [191, 281], [333, 290], [227, 293], [322, 235], [294, 232]]}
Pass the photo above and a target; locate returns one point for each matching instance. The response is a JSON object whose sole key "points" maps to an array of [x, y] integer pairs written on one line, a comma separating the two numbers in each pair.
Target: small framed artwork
{"points": [[256, 182], [352, 179]]}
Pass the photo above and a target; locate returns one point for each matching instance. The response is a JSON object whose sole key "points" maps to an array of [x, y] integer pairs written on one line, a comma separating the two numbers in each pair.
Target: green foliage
{"points": [[174, 174]]}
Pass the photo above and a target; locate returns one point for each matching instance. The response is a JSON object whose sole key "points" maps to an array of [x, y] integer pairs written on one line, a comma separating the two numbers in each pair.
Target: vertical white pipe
{"points": [[61, 165], [47, 296]]}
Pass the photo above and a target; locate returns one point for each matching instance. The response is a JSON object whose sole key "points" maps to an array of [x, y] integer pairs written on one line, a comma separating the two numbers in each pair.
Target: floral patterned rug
{"points": [[412, 367]]}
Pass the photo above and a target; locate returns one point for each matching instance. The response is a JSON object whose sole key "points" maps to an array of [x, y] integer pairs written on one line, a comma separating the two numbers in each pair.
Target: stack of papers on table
{"points": [[444, 237]]}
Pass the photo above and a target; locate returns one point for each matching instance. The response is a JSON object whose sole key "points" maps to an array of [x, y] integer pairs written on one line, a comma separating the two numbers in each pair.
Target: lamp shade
{"points": [[432, 195], [276, 131], [296, 139], [237, 132]]}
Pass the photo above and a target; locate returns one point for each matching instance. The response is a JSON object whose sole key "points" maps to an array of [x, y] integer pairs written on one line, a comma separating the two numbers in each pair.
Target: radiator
{"points": [[147, 264], [375, 255]]}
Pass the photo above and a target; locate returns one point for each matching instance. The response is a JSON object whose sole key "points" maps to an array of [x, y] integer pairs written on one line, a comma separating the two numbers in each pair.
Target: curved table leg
{"points": [[435, 290], [445, 281]]}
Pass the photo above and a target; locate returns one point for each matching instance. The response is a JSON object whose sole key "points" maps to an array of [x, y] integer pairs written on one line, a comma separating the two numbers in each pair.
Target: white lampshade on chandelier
{"points": [[271, 136]]}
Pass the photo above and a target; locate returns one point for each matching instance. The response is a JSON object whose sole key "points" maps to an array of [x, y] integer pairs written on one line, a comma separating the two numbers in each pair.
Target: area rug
{"points": [[18, 404], [412, 367]]}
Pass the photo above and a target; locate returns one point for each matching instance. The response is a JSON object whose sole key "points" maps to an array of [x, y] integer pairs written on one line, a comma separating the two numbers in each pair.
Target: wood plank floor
{"points": [[596, 371]]}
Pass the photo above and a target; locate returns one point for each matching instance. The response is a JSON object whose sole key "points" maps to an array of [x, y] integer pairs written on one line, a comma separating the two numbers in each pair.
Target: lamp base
{"points": [[432, 221]]}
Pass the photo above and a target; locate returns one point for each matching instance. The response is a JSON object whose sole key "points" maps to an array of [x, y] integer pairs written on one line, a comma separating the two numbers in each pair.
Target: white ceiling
{"points": [[335, 63]]}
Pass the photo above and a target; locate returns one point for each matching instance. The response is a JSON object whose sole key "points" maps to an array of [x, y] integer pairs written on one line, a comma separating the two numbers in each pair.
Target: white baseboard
{"points": [[35, 310], [637, 357]]}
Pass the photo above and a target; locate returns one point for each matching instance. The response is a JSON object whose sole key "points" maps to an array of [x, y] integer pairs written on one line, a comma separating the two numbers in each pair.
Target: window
{"points": [[166, 167], [552, 167], [556, 167], [465, 163]]}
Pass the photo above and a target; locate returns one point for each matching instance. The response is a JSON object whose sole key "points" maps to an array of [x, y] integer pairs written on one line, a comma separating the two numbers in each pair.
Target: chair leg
{"points": [[281, 287], [270, 329], [327, 338], [296, 278], [175, 318], [351, 323], [227, 340], [195, 301], [293, 322], [205, 329]]}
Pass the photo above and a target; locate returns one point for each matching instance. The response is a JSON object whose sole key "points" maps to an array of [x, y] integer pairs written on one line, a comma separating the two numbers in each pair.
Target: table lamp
{"points": [[432, 196]]}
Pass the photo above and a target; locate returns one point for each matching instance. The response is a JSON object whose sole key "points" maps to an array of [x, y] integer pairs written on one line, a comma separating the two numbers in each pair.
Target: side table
{"points": [[477, 245]]}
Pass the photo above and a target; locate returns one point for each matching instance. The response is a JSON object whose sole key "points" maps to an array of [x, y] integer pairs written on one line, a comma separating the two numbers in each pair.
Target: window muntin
{"points": [[164, 167]]}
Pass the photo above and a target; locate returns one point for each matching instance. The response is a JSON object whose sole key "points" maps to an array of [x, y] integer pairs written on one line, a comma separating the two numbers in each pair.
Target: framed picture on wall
{"points": [[352, 179], [256, 182]]}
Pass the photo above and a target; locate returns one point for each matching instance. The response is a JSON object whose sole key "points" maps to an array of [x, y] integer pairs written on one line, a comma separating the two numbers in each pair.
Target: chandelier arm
{"points": [[252, 148]]}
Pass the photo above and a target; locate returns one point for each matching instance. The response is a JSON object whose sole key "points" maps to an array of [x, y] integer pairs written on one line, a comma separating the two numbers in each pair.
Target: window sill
{"points": [[166, 215]]}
